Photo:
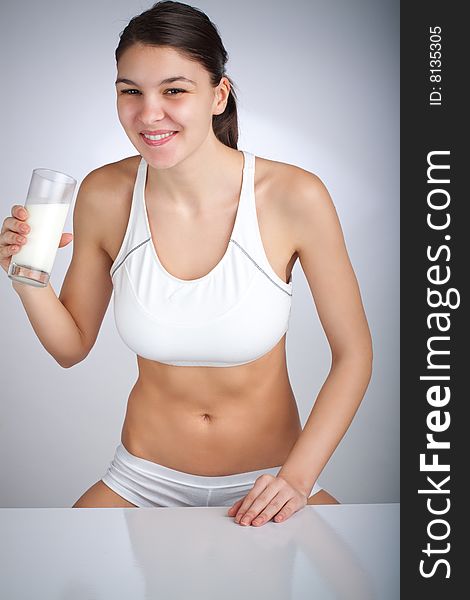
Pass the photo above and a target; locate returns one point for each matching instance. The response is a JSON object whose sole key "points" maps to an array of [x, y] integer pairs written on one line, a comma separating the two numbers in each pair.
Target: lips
{"points": [[157, 142], [158, 132]]}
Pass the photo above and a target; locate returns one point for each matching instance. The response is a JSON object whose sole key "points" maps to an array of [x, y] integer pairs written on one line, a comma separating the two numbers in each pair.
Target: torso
{"points": [[208, 420]]}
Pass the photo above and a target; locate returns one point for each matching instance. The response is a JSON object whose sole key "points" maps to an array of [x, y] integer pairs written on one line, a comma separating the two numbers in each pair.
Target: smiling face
{"points": [[165, 92]]}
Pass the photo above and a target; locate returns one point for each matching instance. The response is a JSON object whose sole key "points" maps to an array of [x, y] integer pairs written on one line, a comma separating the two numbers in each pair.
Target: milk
{"points": [[47, 224]]}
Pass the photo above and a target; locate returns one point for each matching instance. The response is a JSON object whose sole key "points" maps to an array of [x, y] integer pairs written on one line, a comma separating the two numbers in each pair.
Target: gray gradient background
{"points": [[318, 87]]}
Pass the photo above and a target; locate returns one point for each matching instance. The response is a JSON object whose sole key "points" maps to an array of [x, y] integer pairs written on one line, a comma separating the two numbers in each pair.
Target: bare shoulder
{"points": [[111, 176], [296, 188], [300, 198], [313, 220], [105, 197]]}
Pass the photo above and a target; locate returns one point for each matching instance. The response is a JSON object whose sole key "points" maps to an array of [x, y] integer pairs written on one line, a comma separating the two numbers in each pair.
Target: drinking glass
{"points": [[47, 202]]}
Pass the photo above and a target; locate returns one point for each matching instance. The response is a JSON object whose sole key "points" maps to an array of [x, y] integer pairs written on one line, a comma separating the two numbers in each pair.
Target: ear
{"points": [[222, 92]]}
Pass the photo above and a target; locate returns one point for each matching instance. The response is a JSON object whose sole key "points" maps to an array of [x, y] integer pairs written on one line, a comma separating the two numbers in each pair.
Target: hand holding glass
{"points": [[49, 198]]}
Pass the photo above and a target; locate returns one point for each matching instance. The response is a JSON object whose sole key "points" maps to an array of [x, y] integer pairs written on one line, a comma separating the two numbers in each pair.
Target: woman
{"points": [[198, 241]]}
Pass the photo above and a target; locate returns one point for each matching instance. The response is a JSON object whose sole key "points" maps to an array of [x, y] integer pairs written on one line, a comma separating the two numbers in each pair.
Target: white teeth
{"points": [[158, 137]]}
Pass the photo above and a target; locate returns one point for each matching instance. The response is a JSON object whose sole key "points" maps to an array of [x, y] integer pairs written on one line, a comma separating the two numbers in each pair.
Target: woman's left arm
{"points": [[319, 242], [324, 259]]}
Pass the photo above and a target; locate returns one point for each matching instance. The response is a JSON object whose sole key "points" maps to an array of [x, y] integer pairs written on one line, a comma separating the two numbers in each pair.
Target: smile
{"points": [[158, 137], [158, 140]]}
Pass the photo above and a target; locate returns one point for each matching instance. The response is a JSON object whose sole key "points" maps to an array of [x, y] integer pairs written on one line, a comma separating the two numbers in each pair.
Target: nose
{"points": [[151, 111]]}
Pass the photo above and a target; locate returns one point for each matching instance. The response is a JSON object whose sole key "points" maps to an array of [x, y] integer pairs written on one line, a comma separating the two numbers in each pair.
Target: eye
{"points": [[176, 90]]}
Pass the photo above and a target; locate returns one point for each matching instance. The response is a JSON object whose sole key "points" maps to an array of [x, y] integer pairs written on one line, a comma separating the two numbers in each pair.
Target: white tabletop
{"points": [[347, 551]]}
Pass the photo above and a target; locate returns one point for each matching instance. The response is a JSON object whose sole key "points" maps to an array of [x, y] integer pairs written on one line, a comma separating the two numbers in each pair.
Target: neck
{"points": [[204, 179]]}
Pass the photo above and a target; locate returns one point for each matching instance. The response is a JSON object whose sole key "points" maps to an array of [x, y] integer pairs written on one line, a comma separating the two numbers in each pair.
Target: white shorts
{"points": [[148, 484]]}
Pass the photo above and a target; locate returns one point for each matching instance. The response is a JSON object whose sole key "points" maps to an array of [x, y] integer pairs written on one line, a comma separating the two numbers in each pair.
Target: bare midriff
{"points": [[213, 421]]}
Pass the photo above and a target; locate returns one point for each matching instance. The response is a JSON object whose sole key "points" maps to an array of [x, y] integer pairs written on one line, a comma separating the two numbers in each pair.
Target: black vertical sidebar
{"points": [[433, 295]]}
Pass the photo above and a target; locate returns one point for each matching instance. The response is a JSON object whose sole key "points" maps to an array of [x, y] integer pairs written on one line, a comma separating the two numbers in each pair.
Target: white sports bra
{"points": [[232, 316]]}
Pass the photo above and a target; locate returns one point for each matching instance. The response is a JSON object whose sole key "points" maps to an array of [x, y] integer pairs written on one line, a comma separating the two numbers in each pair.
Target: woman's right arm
{"points": [[67, 326]]}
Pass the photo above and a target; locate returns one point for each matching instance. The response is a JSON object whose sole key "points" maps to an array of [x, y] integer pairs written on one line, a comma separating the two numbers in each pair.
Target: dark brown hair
{"points": [[191, 32]]}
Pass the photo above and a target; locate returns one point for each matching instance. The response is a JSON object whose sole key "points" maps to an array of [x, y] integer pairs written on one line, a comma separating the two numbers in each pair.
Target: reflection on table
{"points": [[323, 551]]}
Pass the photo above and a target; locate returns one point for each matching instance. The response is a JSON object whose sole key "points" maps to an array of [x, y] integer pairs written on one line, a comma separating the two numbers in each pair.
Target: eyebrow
{"points": [[168, 80]]}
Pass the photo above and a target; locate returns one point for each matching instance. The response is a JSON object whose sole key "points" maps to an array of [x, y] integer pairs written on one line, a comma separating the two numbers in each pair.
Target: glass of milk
{"points": [[49, 198]]}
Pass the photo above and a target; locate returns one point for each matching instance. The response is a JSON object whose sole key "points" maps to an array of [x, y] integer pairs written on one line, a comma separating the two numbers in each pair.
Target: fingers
{"points": [[19, 211], [17, 222], [270, 498], [265, 506], [65, 239], [233, 509], [282, 500], [14, 231], [261, 493], [11, 237]]}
